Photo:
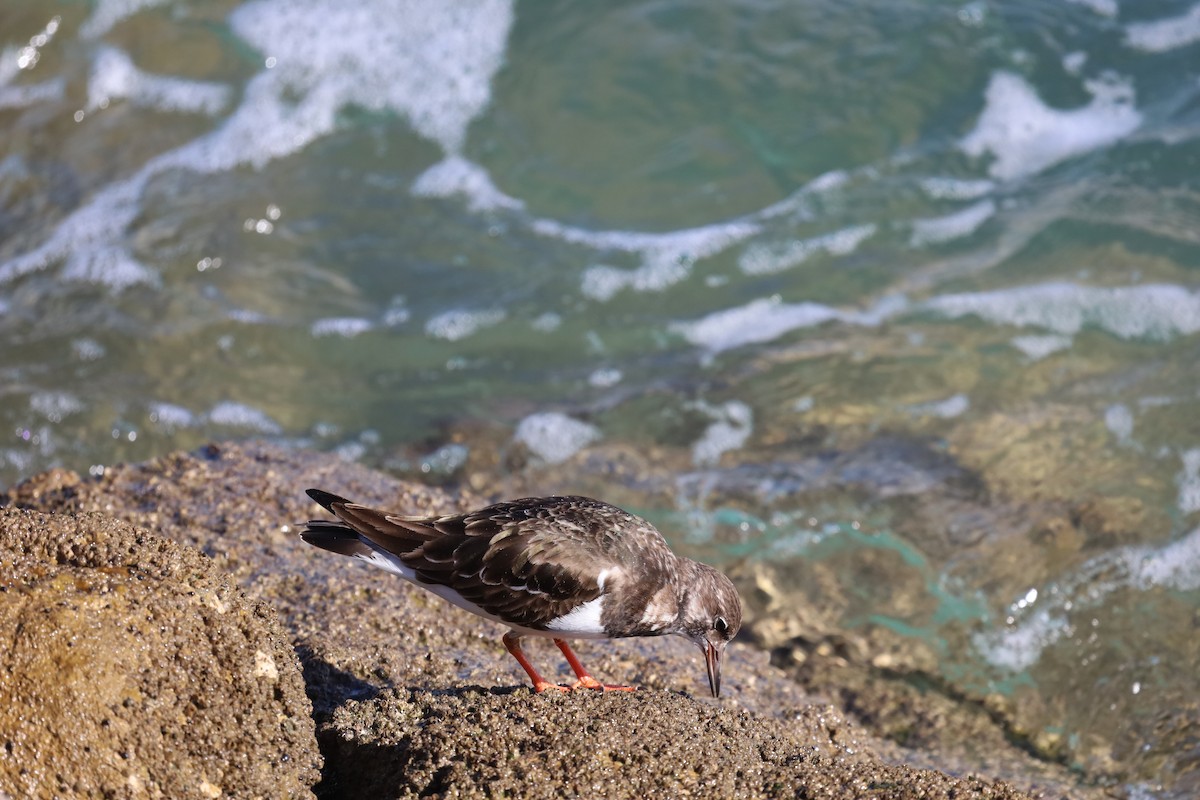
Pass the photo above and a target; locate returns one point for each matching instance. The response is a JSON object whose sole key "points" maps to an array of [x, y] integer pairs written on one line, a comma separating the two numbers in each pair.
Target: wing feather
{"points": [[529, 561]]}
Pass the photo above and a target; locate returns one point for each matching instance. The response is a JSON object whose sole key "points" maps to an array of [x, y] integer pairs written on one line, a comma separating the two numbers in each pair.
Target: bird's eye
{"points": [[721, 626]]}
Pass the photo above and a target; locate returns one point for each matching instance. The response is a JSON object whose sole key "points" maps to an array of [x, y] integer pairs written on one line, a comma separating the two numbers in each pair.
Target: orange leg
{"points": [[512, 643], [586, 681]]}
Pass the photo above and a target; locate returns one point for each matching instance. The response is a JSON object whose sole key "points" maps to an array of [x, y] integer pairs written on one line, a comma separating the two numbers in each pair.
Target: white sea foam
{"points": [[459, 323], [171, 416], [88, 349], [953, 406], [1019, 645], [666, 257], [963, 222], [758, 321], [1026, 136], [1073, 62], [455, 175], [239, 415], [1189, 481], [546, 322], [1153, 311], [1119, 421], [554, 437], [114, 77], [347, 327], [767, 319], [1162, 35], [29, 94], [605, 377], [957, 188], [54, 406], [1038, 347], [763, 259], [733, 422], [429, 61]]}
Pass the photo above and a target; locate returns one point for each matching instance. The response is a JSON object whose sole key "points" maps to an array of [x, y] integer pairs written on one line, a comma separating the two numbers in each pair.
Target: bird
{"points": [[556, 567]]}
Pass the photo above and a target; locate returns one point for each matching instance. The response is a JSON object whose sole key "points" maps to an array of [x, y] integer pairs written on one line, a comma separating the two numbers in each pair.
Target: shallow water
{"points": [[905, 292]]}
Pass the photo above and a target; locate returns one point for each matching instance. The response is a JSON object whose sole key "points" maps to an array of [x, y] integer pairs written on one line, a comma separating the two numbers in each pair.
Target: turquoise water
{"points": [[906, 291]]}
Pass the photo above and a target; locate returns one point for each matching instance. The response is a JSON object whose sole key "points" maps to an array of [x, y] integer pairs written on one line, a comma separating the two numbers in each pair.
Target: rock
{"points": [[413, 696], [133, 668], [487, 743]]}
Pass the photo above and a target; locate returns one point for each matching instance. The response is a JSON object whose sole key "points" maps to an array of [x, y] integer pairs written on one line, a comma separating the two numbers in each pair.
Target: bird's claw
{"points": [[588, 682]]}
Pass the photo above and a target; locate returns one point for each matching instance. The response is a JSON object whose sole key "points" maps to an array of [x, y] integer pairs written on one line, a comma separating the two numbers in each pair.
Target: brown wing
{"points": [[527, 561]]}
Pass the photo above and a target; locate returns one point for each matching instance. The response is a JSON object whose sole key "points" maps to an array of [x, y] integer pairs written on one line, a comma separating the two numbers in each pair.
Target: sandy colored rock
{"points": [[415, 697], [478, 743], [134, 668]]}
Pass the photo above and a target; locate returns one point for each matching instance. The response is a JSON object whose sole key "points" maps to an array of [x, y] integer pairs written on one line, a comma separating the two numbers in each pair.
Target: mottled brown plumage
{"points": [[561, 567]]}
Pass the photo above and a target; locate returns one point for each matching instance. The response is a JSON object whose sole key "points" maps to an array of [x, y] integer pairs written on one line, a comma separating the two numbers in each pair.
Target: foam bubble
{"points": [[32, 93], [429, 60], [456, 175], [733, 423], [605, 377], [1119, 421], [1020, 645], [758, 321], [765, 259], [85, 239], [964, 222], [459, 324], [1189, 482], [956, 188], [1165, 34], [114, 77], [767, 319], [953, 406], [113, 267], [239, 415], [1155, 311], [546, 322], [1038, 347], [554, 437], [1073, 62], [347, 327], [1026, 136], [1175, 566], [54, 406], [88, 349], [666, 257], [171, 416]]}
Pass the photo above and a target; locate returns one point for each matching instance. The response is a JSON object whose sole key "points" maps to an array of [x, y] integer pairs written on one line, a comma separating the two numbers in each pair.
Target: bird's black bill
{"points": [[712, 660]]}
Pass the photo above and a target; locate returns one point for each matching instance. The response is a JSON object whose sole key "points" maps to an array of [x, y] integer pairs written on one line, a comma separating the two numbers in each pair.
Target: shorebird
{"points": [[556, 567]]}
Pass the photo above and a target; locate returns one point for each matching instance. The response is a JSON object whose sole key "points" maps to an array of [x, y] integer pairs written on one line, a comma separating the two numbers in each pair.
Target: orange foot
{"points": [[588, 682], [544, 686]]}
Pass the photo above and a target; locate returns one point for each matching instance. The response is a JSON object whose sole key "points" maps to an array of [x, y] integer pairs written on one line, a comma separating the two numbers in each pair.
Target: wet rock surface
{"points": [[133, 667], [414, 697]]}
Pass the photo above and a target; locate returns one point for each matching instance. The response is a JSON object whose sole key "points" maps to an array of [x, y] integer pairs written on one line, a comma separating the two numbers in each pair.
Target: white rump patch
{"points": [[584, 621]]}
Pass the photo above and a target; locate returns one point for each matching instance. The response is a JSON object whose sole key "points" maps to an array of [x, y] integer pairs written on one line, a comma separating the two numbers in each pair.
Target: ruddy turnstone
{"points": [[557, 567]]}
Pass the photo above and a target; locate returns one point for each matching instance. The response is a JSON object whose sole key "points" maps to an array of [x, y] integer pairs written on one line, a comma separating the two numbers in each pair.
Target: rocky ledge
{"points": [[169, 635]]}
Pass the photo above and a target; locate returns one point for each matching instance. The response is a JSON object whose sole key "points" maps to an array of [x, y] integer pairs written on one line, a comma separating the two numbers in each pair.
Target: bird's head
{"points": [[710, 617]]}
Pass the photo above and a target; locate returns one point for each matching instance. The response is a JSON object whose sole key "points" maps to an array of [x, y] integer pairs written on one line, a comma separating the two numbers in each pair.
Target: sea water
{"points": [[911, 283]]}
